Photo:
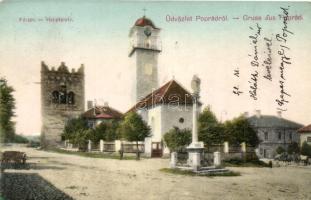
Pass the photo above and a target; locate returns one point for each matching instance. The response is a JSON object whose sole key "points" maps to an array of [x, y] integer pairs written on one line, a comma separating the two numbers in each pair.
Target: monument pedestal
{"points": [[195, 151]]}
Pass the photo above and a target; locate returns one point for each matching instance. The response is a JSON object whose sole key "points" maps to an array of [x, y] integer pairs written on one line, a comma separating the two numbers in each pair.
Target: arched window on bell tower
{"points": [[63, 95], [55, 97], [71, 98]]}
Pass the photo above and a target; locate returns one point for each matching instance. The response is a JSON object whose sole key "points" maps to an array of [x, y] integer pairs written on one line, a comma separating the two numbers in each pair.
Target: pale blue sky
{"points": [[98, 37]]}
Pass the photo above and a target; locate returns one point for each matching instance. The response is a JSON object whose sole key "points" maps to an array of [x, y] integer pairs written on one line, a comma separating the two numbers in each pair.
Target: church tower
{"points": [[145, 46], [62, 98]]}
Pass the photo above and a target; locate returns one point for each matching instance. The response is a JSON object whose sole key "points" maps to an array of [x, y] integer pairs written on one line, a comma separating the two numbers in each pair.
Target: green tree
{"points": [[7, 106], [293, 148], [81, 137], [133, 128], [239, 130], [210, 131], [107, 130], [111, 133], [73, 127], [176, 139], [305, 149], [280, 150], [99, 132]]}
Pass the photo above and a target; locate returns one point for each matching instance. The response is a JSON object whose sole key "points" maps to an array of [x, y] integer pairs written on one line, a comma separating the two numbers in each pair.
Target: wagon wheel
{"points": [[17, 160], [24, 160]]}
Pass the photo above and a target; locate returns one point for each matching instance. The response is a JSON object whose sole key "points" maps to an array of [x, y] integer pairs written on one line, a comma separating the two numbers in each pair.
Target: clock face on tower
{"points": [[147, 31]]}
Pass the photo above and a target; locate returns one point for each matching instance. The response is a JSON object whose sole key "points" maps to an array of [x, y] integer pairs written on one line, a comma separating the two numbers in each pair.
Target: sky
{"points": [[97, 36]]}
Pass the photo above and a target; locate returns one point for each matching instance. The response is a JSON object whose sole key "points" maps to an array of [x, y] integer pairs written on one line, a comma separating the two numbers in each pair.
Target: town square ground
{"points": [[62, 176]]}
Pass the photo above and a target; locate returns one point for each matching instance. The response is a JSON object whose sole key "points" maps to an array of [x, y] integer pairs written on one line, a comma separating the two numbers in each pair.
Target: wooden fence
{"points": [[115, 146], [132, 148], [109, 147], [213, 148]]}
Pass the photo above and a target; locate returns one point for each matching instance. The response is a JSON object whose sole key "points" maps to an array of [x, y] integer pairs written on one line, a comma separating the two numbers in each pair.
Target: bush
{"points": [[107, 131], [210, 131], [239, 130], [235, 131], [293, 148], [177, 139], [238, 162], [270, 164], [280, 150], [73, 127], [81, 139], [306, 149], [20, 139]]}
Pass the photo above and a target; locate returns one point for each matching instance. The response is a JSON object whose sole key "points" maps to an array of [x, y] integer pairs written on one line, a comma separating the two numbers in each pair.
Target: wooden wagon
{"points": [[13, 156]]}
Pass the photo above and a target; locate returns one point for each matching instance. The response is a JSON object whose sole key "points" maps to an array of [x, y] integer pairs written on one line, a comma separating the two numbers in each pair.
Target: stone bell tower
{"points": [[62, 98], [145, 46]]}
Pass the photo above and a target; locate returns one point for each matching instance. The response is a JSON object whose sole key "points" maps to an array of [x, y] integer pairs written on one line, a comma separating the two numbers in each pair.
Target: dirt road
{"points": [[60, 176]]}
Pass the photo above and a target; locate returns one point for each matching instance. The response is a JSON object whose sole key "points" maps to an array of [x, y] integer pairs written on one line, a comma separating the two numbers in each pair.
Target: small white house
{"points": [[167, 107], [305, 134]]}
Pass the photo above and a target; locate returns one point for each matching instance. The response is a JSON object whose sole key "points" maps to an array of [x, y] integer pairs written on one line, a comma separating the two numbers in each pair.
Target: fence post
{"points": [[101, 145], [243, 147], [89, 145], [148, 146], [173, 160], [243, 150], [117, 145], [217, 159], [226, 147]]}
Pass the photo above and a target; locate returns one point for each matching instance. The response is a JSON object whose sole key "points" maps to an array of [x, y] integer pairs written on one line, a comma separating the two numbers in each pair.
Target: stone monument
{"points": [[195, 149]]}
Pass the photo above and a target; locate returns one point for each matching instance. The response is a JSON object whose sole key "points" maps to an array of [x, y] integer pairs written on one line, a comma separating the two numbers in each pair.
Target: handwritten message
{"points": [[282, 39], [260, 65]]}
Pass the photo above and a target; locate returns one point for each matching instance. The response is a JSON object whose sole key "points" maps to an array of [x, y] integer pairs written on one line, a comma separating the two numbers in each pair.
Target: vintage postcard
{"points": [[139, 100]]}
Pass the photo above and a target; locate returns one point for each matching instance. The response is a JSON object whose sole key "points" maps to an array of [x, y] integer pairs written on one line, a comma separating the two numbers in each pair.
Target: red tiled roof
{"points": [[170, 93], [102, 112], [145, 22], [305, 129]]}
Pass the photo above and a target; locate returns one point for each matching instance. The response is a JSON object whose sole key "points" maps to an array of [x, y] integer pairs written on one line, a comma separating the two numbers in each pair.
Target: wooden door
{"points": [[156, 150]]}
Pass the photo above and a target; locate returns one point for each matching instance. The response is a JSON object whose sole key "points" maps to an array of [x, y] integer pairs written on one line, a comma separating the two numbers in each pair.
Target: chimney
{"points": [[279, 113], [258, 113], [89, 104], [246, 114]]}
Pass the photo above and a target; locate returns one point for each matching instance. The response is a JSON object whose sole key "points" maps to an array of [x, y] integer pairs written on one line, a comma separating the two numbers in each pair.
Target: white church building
{"points": [[163, 108], [167, 107]]}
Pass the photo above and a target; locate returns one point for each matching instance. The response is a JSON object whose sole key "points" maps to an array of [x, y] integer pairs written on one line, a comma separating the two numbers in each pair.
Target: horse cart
{"points": [[16, 157]]}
